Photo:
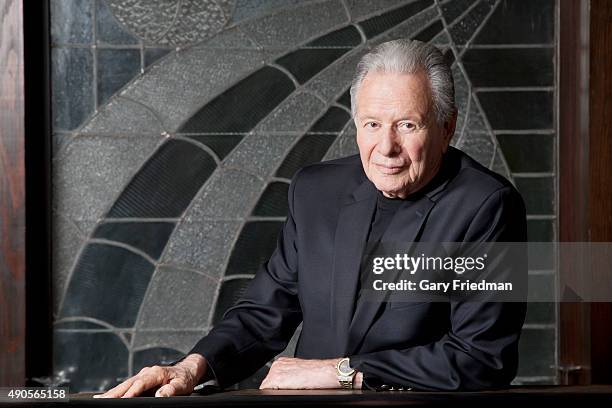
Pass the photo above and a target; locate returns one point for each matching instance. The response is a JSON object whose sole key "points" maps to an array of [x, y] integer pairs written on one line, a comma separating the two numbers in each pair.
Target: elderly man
{"points": [[405, 185]]}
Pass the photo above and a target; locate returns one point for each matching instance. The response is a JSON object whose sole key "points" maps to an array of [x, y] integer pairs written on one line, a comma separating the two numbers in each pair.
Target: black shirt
{"points": [[383, 214], [385, 210]]}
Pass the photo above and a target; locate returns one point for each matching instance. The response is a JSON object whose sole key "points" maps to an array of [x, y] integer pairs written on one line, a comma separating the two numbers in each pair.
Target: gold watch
{"points": [[346, 374]]}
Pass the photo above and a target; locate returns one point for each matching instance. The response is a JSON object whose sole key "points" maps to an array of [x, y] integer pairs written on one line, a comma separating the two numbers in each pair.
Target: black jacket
{"points": [[312, 278]]}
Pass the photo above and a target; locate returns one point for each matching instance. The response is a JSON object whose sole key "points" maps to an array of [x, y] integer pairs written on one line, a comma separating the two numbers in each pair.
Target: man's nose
{"points": [[389, 143]]}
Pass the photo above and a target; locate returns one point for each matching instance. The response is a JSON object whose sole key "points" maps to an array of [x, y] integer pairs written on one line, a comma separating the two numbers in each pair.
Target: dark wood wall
{"points": [[573, 57], [600, 170], [12, 196], [585, 180]]}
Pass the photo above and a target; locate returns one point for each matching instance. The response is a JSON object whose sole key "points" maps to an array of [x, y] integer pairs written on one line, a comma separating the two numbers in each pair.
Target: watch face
{"points": [[344, 367]]}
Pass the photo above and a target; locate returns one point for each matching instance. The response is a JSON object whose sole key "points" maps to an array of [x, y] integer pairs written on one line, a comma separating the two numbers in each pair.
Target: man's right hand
{"points": [[171, 380]]}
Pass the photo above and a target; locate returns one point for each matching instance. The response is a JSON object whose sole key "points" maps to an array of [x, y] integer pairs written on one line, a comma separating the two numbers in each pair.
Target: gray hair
{"points": [[407, 56]]}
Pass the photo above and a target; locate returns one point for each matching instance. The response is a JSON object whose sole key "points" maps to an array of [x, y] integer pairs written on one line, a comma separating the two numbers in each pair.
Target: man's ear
{"points": [[449, 129]]}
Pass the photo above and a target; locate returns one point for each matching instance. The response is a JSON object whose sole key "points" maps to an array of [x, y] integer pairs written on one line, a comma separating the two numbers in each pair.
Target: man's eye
{"points": [[371, 125]]}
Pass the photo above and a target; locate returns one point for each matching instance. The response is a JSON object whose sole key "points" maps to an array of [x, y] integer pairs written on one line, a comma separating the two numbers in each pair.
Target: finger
{"points": [[170, 389], [119, 390], [148, 378], [166, 391], [176, 386], [137, 388], [145, 382]]}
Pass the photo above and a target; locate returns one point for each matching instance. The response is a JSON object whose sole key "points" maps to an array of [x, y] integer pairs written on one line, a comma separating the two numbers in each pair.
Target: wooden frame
{"points": [[585, 165]]}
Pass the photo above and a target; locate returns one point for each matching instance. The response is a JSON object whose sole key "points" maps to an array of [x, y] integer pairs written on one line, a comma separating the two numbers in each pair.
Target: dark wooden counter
{"points": [[515, 397]]}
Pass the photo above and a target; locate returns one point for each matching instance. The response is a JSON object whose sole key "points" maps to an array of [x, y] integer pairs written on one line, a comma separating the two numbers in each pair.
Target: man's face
{"points": [[400, 143]]}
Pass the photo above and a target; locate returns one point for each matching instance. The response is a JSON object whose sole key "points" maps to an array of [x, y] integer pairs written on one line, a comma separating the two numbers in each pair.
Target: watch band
{"points": [[346, 384]]}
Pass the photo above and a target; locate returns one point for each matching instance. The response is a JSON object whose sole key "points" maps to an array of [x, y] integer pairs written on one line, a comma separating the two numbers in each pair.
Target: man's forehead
{"points": [[407, 93]]}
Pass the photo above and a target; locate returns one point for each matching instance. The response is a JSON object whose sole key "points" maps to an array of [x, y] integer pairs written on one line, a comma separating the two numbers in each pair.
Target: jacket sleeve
{"points": [[480, 350], [263, 321]]}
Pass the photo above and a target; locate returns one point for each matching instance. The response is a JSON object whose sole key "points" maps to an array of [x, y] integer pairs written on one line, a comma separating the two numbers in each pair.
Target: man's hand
{"points": [[299, 374], [172, 380]]}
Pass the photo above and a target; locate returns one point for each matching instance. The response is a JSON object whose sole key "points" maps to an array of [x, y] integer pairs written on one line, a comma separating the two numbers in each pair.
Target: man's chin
{"points": [[388, 189], [394, 187]]}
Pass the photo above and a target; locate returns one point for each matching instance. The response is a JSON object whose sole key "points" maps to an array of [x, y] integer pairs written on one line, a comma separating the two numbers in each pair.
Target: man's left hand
{"points": [[301, 374]]}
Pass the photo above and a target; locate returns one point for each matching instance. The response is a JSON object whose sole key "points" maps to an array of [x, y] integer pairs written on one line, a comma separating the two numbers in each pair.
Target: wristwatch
{"points": [[346, 374]]}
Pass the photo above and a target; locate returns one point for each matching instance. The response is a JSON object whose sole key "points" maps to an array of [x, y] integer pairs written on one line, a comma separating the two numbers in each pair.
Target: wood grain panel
{"points": [[12, 196], [573, 166], [600, 169], [585, 181]]}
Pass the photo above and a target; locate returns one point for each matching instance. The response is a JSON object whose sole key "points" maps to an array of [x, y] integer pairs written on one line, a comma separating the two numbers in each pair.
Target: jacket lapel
{"points": [[351, 233]]}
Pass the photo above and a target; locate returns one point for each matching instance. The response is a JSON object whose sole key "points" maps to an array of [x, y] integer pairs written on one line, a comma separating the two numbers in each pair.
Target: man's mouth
{"points": [[389, 169]]}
